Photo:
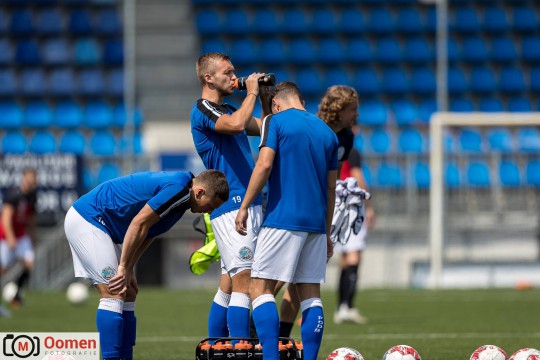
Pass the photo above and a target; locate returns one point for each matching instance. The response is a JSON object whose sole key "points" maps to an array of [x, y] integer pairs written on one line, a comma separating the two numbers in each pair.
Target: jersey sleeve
{"points": [[169, 196], [355, 159], [206, 114], [269, 133], [12, 197], [334, 156]]}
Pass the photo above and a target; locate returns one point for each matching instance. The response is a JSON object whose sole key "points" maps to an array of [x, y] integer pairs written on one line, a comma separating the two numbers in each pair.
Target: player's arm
{"points": [[332, 178], [254, 126], [31, 228], [8, 211]]}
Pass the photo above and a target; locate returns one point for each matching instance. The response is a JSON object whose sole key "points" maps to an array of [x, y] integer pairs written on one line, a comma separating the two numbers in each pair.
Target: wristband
{"points": [[251, 94]]}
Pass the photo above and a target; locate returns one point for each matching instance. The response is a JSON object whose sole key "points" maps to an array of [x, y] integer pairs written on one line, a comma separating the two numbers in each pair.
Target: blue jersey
{"points": [[306, 150], [229, 153], [112, 205]]}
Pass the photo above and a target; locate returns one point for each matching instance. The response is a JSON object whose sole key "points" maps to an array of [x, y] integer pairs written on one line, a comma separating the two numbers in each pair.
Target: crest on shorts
{"points": [[245, 253], [108, 273]]}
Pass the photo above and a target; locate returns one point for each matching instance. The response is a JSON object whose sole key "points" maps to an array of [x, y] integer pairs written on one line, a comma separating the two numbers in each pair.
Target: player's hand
{"points": [[11, 243], [241, 221], [118, 285], [329, 248], [252, 83], [370, 217]]}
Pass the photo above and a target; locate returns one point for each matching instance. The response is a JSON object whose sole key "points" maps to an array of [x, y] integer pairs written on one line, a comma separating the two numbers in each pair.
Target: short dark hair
{"points": [[215, 182], [205, 64], [285, 89]]}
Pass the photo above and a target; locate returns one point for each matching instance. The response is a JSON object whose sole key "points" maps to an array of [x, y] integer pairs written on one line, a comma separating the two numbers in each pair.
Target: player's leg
{"points": [[6, 256], [217, 317], [129, 330], [238, 314], [288, 310], [25, 253]]}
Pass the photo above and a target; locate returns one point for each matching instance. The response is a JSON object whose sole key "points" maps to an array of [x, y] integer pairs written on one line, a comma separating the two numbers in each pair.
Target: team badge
{"points": [[246, 253], [108, 273]]}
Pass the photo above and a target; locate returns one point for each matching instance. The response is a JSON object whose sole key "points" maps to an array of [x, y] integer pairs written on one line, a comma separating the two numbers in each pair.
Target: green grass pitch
{"points": [[441, 325]]}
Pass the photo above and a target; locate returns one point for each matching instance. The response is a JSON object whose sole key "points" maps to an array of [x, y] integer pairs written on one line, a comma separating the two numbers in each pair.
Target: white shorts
{"points": [[23, 251], [290, 256], [357, 242], [237, 250], [95, 255]]}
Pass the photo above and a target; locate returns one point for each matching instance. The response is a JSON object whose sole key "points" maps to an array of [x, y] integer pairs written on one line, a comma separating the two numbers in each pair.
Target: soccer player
{"points": [[109, 229], [298, 156], [17, 229], [220, 135]]}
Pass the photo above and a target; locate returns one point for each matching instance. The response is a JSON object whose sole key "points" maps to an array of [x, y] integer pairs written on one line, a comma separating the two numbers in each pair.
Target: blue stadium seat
{"points": [[450, 143], [389, 175], [395, 81], [32, 82], [120, 117], [103, 143], [62, 82], [310, 81], [80, 22], [6, 53], [115, 83], [421, 175], [108, 171], [500, 139], [494, 20], [294, 22], [519, 104], [388, 50], [113, 52], [410, 140], [509, 175], [282, 74], [50, 22], [417, 50], [491, 105], [426, 108], [330, 51], [208, 21], [72, 142], [42, 142], [366, 81], [452, 175], [535, 79], [528, 139], [12, 115], [456, 81], [380, 21], [13, 142], [8, 83], [311, 105], [87, 52], [97, 115], [380, 141], [359, 50], [323, 21], [214, 45], [409, 21], [524, 19], [301, 51], [352, 21], [461, 105], [244, 51], [366, 171], [482, 80], [503, 49], [453, 50], [108, 22], [337, 76], [478, 174], [404, 112], [27, 52], [91, 82], [474, 50], [465, 20], [68, 114], [359, 142], [431, 19], [3, 22], [46, 2], [470, 140], [21, 23], [423, 81], [56, 52], [266, 21], [530, 49], [237, 22], [272, 51], [512, 80], [373, 112], [38, 114], [136, 144], [533, 173]]}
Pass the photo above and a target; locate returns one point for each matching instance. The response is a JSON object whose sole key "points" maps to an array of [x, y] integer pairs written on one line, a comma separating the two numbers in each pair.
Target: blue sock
{"points": [[130, 331], [266, 318], [110, 326], [217, 318], [238, 315], [312, 327]]}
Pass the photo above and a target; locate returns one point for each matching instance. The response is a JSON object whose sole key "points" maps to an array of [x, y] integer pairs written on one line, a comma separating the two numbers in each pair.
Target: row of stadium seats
{"points": [[58, 51], [347, 20], [96, 114], [100, 143], [54, 21], [349, 2], [17, 3], [62, 82]]}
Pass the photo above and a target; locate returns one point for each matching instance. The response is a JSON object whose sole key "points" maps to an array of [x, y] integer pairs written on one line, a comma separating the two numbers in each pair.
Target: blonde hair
{"points": [[205, 64], [336, 98]]}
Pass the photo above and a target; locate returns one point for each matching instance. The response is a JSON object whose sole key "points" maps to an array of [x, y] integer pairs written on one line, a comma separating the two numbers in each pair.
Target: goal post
{"points": [[438, 122]]}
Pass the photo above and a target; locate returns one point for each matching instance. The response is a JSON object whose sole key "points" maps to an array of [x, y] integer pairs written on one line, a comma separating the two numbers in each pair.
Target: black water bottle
{"points": [[267, 80]]}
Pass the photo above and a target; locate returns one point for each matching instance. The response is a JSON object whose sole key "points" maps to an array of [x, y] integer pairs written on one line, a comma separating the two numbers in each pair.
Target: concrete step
{"points": [[156, 45], [153, 14], [171, 104], [166, 73]]}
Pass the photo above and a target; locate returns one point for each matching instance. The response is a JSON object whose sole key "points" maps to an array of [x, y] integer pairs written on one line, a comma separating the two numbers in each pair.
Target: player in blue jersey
{"points": [[298, 157], [220, 135], [109, 229]]}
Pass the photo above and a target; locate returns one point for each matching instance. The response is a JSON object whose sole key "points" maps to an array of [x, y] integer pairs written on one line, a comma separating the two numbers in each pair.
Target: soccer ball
{"points": [[345, 353], [9, 291], [77, 293], [526, 354], [401, 352], [489, 352]]}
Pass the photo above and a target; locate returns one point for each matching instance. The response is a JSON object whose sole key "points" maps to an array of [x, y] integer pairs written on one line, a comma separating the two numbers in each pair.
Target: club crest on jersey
{"points": [[245, 253], [108, 273]]}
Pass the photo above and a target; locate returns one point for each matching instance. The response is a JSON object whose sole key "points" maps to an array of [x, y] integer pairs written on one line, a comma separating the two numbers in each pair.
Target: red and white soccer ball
{"points": [[345, 353], [489, 352], [526, 354], [401, 352]]}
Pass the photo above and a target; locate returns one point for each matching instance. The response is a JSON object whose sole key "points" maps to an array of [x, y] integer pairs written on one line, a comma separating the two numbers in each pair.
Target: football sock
{"points": [[266, 318], [312, 327], [217, 318], [342, 294], [129, 333], [285, 329], [21, 282], [351, 275], [110, 326], [252, 329], [238, 315]]}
